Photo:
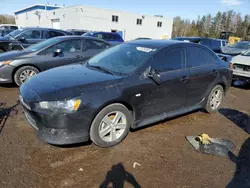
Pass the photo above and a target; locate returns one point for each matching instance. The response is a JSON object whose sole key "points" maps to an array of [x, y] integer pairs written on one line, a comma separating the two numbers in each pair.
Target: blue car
{"points": [[111, 37], [214, 44]]}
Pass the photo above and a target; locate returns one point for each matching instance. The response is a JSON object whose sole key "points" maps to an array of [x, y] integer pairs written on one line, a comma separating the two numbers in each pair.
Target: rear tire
{"points": [[24, 73], [214, 99], [111, 125]]}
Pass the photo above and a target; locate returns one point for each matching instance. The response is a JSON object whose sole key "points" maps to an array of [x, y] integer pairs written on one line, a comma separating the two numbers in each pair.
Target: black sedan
{"points": [[18, 66], [128, 86]]}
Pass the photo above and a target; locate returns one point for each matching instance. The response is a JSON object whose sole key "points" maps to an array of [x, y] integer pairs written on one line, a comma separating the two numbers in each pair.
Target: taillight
{"points": [[231, 67]]}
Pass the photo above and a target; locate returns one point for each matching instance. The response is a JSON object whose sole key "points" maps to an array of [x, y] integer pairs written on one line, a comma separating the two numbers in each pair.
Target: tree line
{"points": [[7, 19], [211, 26]]}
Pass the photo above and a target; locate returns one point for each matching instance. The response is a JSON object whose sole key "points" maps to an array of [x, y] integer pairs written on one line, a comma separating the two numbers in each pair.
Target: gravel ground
{"points": [[164, 157]]}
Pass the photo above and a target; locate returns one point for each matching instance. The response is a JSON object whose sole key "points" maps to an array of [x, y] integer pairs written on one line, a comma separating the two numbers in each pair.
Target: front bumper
{"points": [[241, 75], [60, 129], [6, 74]]}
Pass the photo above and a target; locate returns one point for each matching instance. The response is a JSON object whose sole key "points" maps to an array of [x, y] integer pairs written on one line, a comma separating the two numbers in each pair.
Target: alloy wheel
{"points": [[26, 74], [112, 126], [215, 99]]}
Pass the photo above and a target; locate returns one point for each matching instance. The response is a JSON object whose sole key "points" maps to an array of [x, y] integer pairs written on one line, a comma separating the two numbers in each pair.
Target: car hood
{"points": [[13, 55], [64, 83], [232, 51], [240, 59]]}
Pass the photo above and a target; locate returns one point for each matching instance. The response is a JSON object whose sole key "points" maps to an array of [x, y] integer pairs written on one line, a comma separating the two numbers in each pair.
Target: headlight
{"points": [[64, 106], [2, 63]]}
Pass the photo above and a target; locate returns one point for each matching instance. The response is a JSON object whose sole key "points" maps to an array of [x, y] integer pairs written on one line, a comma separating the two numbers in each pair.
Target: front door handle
{"points": [[184, 79]]}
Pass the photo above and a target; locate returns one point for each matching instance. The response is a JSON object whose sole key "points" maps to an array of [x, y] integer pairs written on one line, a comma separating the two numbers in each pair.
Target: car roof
{"points": [[43, 28], [79, 37], [102, 32], [155, 43]]}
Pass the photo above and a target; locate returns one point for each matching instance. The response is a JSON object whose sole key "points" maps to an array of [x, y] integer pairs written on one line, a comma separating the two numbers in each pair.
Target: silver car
{"points": [[241, 67]]}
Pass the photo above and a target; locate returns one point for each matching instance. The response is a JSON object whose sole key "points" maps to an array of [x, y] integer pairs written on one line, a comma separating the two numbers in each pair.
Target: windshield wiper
{"points": [[101, 68]]}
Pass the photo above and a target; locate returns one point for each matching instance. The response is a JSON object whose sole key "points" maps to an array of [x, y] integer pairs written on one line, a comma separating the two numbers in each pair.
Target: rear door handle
{"points": [[184, 79]]}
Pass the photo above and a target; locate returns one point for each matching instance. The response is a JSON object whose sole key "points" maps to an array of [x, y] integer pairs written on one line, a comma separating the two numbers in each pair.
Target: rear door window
{"points": [[31, 34], [67, 46], [107, 36], [199, 56], [52, 34], [90, 44], [169, 60]]}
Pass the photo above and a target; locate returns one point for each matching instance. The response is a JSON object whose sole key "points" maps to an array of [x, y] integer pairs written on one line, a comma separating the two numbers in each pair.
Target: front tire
{"points": [[111, 125], [24, 73], [214, 99]]}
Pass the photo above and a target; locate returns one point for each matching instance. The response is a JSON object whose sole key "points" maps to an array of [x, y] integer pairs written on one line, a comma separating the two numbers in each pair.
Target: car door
{"points": [[30, 37], [203, 68], [71, 52], [92, 47], [170, 94]]}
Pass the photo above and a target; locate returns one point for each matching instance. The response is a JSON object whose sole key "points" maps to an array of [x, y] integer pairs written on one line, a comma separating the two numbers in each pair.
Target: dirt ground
{"points": [[164, 157]]}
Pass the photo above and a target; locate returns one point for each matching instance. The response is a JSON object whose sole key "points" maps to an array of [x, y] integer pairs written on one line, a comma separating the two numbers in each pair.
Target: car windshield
{"points": [[41, 45], [247, 53], [14, 33], [241, 45], [122, 59]]}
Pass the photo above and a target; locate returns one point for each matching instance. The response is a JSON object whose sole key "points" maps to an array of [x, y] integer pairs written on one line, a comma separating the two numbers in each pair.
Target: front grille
{"points": [[242, 67]]}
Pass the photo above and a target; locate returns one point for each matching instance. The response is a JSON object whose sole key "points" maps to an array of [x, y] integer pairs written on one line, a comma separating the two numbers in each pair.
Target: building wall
{"points": [[96, 19]]}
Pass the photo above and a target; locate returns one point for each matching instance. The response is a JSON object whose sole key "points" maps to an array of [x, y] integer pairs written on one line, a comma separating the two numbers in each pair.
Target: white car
{"points": [[241, 67]]}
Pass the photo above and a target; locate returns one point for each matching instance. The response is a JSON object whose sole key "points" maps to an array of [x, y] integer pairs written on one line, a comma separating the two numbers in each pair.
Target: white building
{"points": [[130, 25]]}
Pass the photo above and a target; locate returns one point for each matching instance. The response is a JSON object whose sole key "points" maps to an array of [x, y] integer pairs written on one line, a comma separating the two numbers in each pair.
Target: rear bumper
{"points": [[6, 74], [60, 129]]}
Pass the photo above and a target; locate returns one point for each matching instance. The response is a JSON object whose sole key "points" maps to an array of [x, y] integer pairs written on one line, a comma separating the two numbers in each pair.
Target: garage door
{"points": [[56, 24]]}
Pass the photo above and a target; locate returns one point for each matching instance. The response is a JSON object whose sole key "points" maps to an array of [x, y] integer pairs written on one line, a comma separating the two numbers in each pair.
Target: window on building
{"points": [[114, 18], [159, 24], [139, 21]]}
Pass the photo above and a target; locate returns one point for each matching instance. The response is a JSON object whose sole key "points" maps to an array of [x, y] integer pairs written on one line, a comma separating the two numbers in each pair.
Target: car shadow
{"points": [[76, 145], [165, 120], [241, 85], [241, 176], [9, 85], [6, 112], [117, 176], [240, 119]]}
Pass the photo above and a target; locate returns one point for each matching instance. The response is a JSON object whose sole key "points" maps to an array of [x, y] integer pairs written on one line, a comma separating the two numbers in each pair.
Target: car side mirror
{"points": [[154, 75], [57, 52]]}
